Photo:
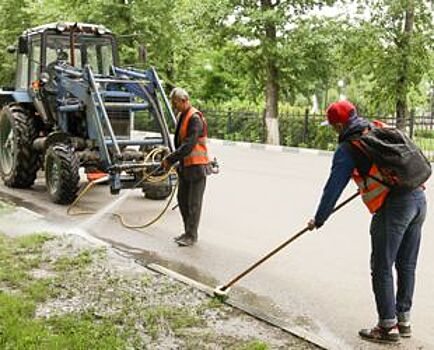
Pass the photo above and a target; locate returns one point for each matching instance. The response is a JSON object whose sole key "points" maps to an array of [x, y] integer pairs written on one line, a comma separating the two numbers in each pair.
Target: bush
{"points": [[427, 134]]}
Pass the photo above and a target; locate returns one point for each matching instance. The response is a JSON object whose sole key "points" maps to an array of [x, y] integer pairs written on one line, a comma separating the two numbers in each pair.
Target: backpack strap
{"points": [[360, 155]]}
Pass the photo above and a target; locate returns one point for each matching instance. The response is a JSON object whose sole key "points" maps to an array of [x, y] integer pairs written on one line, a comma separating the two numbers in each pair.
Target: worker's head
{"points": [[61, 55], [339, 114], [180, 100]]}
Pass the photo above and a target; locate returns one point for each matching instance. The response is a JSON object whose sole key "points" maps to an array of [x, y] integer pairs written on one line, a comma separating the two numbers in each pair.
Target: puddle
{"points": [[241, 295], [8, 198]]}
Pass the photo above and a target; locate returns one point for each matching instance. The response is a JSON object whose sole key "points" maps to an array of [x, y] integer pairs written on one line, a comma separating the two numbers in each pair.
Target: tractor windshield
{"points": [[95, 51]]}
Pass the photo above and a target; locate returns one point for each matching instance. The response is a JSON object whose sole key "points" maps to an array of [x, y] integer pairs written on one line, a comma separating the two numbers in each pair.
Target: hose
{"points": [[149, 223], [150, 177]]}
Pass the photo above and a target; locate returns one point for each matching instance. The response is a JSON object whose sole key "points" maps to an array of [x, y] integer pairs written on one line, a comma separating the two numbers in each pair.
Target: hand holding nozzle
{"points": [[165, 164], [214, 166]]}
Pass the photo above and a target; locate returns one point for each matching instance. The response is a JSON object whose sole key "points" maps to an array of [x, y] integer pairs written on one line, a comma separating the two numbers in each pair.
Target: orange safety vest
{"points": [[199, 153], [373, 192]]}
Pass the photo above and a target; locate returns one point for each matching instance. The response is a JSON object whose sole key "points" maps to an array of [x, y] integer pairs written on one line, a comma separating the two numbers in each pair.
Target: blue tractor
{"points": [[74, 108]]}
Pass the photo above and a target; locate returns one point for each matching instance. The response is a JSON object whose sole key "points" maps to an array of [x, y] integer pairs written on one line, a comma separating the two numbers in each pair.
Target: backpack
{"points": [[400, 162]]}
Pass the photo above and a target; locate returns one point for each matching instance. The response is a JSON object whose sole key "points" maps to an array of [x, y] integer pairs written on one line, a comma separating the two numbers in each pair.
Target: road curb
{"points": [[266, 147], [258, 314]]}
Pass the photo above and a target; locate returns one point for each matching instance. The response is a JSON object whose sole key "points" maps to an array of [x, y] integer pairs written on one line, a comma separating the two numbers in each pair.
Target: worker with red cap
{"points": [[395, 227]]}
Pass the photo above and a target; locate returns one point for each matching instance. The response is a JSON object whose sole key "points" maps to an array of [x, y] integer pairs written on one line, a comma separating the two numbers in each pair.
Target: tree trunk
{"points": [[404, 46], [272, 85], [271, 105]]}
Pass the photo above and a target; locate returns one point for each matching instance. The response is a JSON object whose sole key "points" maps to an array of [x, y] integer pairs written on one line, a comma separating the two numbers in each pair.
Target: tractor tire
{"points": [[61, 173], [19, 162], [157, 191]]}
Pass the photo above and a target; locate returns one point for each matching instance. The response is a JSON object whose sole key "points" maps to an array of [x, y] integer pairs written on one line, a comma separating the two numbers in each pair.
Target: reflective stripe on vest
{"points": [[199, 153], [373, 192]]}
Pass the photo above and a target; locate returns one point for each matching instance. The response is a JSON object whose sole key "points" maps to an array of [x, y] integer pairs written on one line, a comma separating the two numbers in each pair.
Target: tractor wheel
{"points": [[61, 173], [157, 191], [19, 162]]}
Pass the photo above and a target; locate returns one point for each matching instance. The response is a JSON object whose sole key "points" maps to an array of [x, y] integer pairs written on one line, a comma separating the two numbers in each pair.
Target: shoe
{"points": [[185, 241], [182, 236], [404, 330], [381, 335]]}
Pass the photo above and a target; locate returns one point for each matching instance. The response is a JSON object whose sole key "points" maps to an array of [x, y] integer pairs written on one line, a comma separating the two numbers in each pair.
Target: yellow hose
{"points": [[141, 226], [146, 177], [81, 195]]}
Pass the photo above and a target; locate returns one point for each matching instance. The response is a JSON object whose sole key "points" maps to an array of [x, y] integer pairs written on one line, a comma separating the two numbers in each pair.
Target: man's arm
{"points": [[342, 168], [193, 132]]}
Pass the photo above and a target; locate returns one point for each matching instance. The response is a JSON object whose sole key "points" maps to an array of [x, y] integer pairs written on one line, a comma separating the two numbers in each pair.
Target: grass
{"points": [[162, 319], [19, 256], [23, 259], [20, 330], [18, 327], [79, 261], [6, 208], [425, 144]]}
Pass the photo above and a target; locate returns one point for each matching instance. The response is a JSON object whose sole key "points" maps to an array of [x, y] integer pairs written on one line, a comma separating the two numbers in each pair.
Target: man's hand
{"points": [[311, 224], [165, 165]]}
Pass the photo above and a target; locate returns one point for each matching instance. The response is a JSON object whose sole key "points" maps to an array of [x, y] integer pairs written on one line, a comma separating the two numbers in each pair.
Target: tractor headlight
{"points": [[101, 30], [61, 27], [45, 77]]}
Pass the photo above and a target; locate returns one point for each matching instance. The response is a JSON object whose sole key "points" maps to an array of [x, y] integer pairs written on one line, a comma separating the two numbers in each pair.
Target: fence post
{"points": [[306, 126], [412, 116], [264, 126], [229, 122]]}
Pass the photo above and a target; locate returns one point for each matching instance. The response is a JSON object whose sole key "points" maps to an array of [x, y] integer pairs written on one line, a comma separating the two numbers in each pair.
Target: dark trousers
{"points": [[395, 238], [190, 195]]}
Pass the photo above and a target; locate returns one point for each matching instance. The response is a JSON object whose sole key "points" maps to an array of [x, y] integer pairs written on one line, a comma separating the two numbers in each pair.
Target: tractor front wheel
{"points": [[61, 173]]}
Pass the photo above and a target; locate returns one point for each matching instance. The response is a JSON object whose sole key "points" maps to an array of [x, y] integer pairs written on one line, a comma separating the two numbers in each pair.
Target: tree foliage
{"points": [[260, 51]]}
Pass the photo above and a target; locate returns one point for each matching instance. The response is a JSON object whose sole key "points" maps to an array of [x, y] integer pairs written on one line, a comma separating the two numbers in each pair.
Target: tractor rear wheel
{"points": [[19, 162], [61, 173]]}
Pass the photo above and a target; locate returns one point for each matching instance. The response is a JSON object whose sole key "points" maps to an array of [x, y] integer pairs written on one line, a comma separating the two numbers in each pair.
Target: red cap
{"points": [[339, 112]]}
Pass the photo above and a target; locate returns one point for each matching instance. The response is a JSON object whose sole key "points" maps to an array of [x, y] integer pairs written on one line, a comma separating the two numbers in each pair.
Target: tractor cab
{"points": [[76, 45]]}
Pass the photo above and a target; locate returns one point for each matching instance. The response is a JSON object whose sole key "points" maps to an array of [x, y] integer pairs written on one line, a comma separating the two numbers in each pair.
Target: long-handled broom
{"points": [[222, 291]]}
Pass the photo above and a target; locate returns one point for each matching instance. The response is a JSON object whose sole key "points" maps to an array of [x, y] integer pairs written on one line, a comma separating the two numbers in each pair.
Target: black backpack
{"points": [[401, 163]]}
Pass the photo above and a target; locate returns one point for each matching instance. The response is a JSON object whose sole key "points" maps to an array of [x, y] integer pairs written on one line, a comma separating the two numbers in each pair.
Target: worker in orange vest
{"points": [[191, 154], [396, 224]]}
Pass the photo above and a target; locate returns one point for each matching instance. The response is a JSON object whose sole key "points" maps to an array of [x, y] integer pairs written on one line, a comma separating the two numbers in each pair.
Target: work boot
{"points": [[404, 329], [379, 334], [186, 241], [181, 236]]}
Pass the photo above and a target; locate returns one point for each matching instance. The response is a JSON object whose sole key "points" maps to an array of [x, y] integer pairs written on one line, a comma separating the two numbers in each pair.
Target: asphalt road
{"points": [[320, 283]]}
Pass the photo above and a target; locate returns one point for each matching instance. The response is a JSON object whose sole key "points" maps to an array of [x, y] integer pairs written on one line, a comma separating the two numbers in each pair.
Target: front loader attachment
{"points": [[101, 98]]}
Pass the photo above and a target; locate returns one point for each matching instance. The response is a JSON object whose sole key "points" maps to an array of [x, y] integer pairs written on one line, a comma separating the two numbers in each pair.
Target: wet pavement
{"points": [[319, 283]]}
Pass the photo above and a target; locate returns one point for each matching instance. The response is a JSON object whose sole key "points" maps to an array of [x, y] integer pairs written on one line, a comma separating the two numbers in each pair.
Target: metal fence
{"points": [[304, 130]]}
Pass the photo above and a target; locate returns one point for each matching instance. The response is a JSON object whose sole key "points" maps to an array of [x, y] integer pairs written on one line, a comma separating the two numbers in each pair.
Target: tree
{"points": [[18, 19], [261, 28], [393, 49]]}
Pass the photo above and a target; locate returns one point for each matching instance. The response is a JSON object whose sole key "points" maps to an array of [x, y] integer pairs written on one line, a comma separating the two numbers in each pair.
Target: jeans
{"points": [[395, 238]]}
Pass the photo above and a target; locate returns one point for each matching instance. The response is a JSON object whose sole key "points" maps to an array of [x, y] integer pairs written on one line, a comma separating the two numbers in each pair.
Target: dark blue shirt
{"points": [[343, 166]]}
